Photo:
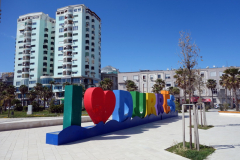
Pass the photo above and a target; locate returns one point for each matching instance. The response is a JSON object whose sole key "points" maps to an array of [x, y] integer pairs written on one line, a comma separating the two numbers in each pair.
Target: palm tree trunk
{"points": [[225, 94], [236, 102], [231, 98], [22, 99], [212, 98], [9, 103]]}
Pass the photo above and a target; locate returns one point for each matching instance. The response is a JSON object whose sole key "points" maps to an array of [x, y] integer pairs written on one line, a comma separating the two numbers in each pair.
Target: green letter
{"points": [[139, 104], [72, 106]]}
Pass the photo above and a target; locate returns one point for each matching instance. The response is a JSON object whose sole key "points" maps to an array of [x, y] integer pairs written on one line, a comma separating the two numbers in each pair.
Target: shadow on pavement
{"points": [[123, 134]]}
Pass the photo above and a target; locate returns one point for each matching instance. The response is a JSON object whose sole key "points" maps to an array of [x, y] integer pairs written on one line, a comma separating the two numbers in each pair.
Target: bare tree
{"points": [[188, 60]]}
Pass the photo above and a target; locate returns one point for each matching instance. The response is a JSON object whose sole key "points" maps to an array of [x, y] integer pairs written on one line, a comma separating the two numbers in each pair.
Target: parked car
{"points": [[216, 106], [12, 107]]}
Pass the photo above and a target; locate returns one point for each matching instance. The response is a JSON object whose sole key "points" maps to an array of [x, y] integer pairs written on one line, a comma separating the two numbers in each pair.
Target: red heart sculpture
{"points": [[99, 104]]}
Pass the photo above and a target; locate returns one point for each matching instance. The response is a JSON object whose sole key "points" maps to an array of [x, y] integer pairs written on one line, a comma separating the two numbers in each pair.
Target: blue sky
{"points": [[143, 34]]}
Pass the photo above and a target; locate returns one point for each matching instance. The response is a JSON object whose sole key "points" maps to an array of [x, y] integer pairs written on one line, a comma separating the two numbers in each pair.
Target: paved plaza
{"points": [[147, 141]]}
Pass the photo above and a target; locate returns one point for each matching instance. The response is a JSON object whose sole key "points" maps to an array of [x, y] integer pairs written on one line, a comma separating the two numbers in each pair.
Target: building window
{"points": [[202, 74], [92, 20], [17, 83], [60, 36], [214, 91], [20, 53], [32, 57], [19, 64], [135, 77], [159, 76], [75, 28], [34, 23], [75, 46], [61, 30], [33, 34], [19, 76], [19, 58], [87, 17], [214, 100], [75, 10], [75, 21], [87, 48], [212, 74], [75, 34], [60, 48], [74, 72], [92, 26], [61, 24], [32, 82], [87, 35], [124, 78], [57, 87], [92, 38], [33, 40], [61, 18], [75, 15], [60, 73], [75, 40], [220, 74], [31, 63], [20, 41], [87, 29], [168, 84], [60, 54], [167, 76], [73, 66], [144, 77]]}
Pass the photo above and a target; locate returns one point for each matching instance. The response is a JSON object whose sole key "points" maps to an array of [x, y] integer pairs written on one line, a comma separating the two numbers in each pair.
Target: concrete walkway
{"points": [[147, 141]]}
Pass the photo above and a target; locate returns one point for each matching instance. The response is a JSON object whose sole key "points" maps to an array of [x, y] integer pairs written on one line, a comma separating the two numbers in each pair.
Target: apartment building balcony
{"points": [[44, 66], [87, 70], [46, 30], [26, 51], [67, 73], [86, 62], [27, 47], [67, 54], [25, 69], [46, 38], [67, 41], [67, 69], [68, 17], [25, 75], [67, 48], [26, 58], [29, 21], [67, 60], [68, 30], [68, 23], [67, 35], [27, 35], [26, 64]]}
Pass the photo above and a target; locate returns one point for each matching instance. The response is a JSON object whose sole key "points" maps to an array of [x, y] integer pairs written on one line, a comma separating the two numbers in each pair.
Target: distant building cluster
{"points": [[7, 77]]}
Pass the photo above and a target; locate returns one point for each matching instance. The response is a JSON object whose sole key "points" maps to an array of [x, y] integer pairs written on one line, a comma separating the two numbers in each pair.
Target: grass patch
{"points": [[202, 127], [44, 113], [191, 154]]}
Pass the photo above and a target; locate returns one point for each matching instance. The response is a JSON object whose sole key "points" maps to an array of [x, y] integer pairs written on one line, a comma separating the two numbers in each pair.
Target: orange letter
{"points": [[165, 97]]}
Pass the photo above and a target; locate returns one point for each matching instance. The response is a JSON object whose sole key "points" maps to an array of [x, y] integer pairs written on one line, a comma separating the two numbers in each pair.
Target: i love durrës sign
{"points": [[100, 104], [128, 109]]}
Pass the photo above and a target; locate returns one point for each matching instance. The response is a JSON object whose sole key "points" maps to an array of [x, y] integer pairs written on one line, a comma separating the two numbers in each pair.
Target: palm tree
{"points": [[174, 90], [32, 95], [233, 81], [9, 95], [106, 84], [66, 84], [46, 93], [52, 83], [224, 83], [211, 84], [38, 89], [23, 89], [3, 87], [158, 86], [131, 86]]}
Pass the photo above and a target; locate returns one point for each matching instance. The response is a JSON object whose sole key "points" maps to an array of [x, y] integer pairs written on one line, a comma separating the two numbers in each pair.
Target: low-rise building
{"points": [[111, 73], [145, 79]]}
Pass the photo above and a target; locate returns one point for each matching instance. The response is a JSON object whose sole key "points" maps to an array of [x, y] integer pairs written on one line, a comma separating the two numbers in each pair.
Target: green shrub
{"points": [[56, 108], [207, 107], [178, 106], [18, 107], [41, 108], [225, 106], [25, 108]]}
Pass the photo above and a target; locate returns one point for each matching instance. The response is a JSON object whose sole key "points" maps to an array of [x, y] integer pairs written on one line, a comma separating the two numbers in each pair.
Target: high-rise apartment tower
{"points": [[77, 47], [34, 56]]}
